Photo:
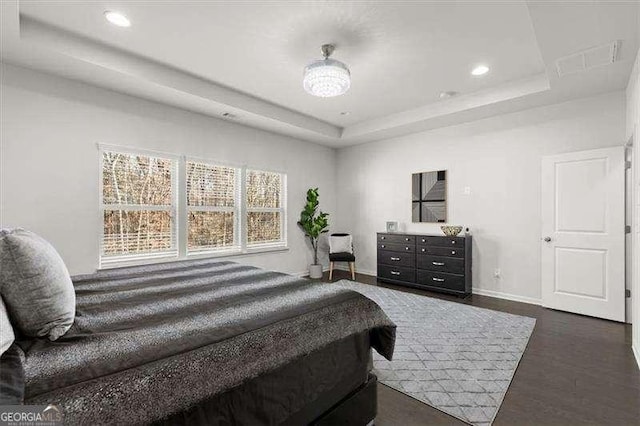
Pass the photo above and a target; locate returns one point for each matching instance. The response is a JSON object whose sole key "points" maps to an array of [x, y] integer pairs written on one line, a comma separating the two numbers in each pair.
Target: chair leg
{"points": [[330, 271], [352, 268]]}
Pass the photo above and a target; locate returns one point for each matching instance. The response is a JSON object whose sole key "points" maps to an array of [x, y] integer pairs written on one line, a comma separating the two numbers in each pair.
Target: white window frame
{"points": [[282, 210], [180, 209], [106, 261], [236, 209]]}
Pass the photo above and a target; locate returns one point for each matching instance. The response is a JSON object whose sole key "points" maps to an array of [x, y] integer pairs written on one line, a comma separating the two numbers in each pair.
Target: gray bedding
{"points": [[155, 340]]}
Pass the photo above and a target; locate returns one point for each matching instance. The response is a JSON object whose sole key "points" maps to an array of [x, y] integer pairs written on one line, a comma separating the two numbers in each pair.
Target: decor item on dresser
{"points": [[451, 231], [341, 250], [432, 262], [429, 196], [313, 223], [393, 226]]}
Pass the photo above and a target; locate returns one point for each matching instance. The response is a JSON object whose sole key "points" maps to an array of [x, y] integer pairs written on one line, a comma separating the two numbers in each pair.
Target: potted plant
{"points": [[313, 223]]}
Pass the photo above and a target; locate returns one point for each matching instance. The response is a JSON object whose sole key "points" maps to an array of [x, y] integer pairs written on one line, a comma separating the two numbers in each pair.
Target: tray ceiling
{"points": [[247, 58]]}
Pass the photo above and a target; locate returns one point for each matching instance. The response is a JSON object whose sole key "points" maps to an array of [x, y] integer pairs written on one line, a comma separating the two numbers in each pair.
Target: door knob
{"points": [[547, 239]]}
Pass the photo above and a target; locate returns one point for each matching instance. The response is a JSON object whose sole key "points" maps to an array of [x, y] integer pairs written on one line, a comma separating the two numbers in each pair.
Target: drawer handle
{"points": [[406, 248], [395, 273], [395, 258], [382, 245], [423, 250], [453, 252], [407, 239], [382, 238], [440, 280], [423, 240], [453, 242], [438, 263]]}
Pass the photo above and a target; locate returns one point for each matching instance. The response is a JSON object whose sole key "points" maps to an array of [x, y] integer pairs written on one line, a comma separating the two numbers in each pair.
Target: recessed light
{"points": [[448, 94], [345, 113], [480, 70], [117, 19]]}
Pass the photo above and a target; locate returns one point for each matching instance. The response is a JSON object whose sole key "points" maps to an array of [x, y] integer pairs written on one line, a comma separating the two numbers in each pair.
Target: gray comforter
{"points": [[151, 341]]}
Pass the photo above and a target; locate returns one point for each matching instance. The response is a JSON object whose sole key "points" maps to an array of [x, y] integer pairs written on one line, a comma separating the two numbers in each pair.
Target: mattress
{"points": [[149, 342]]}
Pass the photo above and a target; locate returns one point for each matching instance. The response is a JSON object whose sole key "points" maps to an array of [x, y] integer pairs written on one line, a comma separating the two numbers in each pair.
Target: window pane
{"points": [[263, 227], [210, 230], [136, 232], [136, 179], [263, 189], [209, 185]]}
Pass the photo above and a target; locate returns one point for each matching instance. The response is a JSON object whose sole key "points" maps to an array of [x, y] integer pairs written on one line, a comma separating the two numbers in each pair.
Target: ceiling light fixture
{"points": [[117, 19], [480, 70], [326, 77]]}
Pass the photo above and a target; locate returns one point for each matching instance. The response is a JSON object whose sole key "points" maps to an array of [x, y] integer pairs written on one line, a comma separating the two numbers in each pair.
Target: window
{"points": [[160, 206], [138, 206], [213, 207], [265, 212]]}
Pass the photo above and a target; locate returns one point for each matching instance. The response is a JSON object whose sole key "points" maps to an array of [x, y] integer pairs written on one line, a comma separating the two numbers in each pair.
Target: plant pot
{"points": [[315, 271]]}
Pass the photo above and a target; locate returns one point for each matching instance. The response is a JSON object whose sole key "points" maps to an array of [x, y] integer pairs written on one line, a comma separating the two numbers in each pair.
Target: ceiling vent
{"points": [[588, 59]]}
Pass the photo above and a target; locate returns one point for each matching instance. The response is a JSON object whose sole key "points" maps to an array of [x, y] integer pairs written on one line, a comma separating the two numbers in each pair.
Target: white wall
{"points": [[49, 160], [499, 159]]}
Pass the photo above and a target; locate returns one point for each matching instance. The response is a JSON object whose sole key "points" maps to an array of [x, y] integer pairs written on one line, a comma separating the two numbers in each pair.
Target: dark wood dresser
{"points": [[432, 262]]}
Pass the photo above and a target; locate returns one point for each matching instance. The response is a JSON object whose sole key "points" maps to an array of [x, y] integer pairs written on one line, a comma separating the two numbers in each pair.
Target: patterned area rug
{"points": [[457, 358]]}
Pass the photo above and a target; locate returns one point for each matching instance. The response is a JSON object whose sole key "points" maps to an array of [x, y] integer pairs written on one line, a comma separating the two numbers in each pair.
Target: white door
{"points": [[583, 232]]}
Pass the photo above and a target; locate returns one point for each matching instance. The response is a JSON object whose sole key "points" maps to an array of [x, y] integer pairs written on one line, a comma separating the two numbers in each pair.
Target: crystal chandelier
{"points": [[326, 77]]}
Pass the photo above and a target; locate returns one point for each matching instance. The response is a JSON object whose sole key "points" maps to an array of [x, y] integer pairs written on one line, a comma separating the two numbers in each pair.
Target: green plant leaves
{"points": [[313, 222]]}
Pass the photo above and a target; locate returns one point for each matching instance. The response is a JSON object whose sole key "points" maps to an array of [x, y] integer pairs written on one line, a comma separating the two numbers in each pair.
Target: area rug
{"points": [[457, 358]]}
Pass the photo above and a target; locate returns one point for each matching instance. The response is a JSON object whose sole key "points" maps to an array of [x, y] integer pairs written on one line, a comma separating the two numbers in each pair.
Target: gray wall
{"points": [[499, 160], [49, 166]]}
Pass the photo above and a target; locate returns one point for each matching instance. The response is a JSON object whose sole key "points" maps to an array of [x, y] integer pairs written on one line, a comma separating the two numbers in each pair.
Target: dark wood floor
{"points": [[575, 370]]}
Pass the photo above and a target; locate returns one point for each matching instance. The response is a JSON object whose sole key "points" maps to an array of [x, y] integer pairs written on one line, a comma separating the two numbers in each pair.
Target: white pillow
{"points": [[6, 330], [340, 244]]}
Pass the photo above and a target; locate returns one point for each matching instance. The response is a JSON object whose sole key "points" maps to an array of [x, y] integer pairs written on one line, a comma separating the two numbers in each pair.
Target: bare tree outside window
{"points": [[264, 207], [138, 204], [213, 206], [141, 216]]}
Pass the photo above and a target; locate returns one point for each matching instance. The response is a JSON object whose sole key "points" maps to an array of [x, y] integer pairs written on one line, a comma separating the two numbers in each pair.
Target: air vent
{"points": [[588, 59]]}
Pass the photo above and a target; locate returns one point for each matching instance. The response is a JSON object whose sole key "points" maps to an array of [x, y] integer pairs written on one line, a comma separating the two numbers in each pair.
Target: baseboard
{"points": [[358, 271], [506, 296], [479, 291], [636, 353], [306, 272]]}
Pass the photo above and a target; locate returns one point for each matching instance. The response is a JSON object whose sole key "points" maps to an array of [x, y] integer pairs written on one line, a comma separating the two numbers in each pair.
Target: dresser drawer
{"points": [[442, 280], [396, 238], [400, 248], [399, 273], [441, 251], [396, 259], [440, 241], [439, 264]]}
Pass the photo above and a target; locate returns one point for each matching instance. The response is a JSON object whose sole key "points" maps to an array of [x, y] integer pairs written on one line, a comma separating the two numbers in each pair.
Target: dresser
{"points": [[432, 262]]}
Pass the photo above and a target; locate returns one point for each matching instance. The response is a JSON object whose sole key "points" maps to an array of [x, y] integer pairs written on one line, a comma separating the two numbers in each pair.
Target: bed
{"points": [[209, 342]]}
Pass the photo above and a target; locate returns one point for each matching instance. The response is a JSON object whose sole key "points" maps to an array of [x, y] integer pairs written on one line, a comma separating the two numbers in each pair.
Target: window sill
{"points": [[139, 261], [238, 253], [206, 255]]}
